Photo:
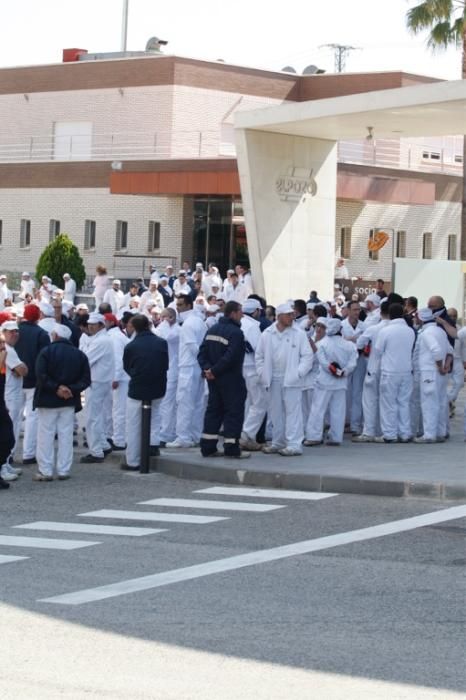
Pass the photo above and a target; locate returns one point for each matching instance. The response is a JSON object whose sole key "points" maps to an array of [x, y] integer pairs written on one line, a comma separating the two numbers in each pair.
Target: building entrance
{"points": [[219, 232]]}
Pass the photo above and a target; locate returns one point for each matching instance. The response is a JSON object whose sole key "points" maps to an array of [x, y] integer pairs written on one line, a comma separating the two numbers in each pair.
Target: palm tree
{"points": [[446, 22]]}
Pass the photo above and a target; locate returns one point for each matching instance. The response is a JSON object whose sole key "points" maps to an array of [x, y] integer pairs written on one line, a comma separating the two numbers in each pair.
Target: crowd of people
{"points": [[214, 361]]}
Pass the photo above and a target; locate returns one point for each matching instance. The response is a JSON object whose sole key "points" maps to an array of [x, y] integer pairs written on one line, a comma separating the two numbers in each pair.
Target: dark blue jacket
{"points": [[60, 363], [223, 348], [32, 339], [145, 359]]}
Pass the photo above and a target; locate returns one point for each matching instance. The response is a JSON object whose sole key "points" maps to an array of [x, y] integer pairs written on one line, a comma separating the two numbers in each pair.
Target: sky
{"points": [[266, 34]]}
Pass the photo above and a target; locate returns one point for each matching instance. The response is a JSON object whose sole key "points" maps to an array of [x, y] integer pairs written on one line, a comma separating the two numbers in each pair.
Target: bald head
{"points": [[436, 303]]}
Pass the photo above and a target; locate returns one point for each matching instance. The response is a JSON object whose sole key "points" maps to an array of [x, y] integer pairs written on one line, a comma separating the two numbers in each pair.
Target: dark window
{"points": [[427, 246], [373, 254], [452, 247], [54, 229], [1, 232], [89, 234], [121, 238], [153, 242], [401, 244], [25, 233], [345, 242]]}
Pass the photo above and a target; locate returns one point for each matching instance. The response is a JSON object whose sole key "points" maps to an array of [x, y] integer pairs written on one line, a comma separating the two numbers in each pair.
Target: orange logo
{"points": [[377, 241]]}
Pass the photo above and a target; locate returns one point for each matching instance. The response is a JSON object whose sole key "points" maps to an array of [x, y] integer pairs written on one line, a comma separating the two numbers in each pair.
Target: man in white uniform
{"points": [[114, 296], [370, 394], [433, 351], [120, 382], [70, 288], [190, 395], [351, 329], [152, 295], [256, 404], [15, 371], [283, 362], [99, 352], [169, 330], [337, 359], [394, 344], [456, 377], [27, 285], [5, 293], [47, 317], [180, 285]]}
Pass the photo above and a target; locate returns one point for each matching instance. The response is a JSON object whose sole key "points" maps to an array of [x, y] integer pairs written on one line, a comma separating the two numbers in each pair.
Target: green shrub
{"points": [[60, 256]]}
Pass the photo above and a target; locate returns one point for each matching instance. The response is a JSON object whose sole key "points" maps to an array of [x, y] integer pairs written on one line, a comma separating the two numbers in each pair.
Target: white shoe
{"points": [[423, 441], [271, 449], [7, 475], [14, 470], [289, 452], [178, 444], [362, 438], [251, 445]]}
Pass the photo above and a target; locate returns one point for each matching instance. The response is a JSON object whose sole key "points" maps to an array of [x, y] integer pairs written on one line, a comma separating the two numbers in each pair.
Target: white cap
{"points": [[425, 314], [182, 272], [82, 307], [44, 277], [285, 308], [25, 274], [46, 309], [374, 298], [156, 309], [322, 321], [333, 326], [67, 274], [310, 305], [66, 307], [96, 318], [213, 308], [9, 326], [251, 305], [2, 277], [62, 331], [116, 282]]}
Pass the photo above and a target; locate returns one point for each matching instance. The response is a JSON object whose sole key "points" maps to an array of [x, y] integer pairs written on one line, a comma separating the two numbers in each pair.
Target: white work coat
{"points": [[334, 348], [369, 337], [192, 334], [252, 334], [115, 298], [432, 347], [119, 341], [299, 358], [394, 344], [70, 290], [99, 351], [170, 333]]}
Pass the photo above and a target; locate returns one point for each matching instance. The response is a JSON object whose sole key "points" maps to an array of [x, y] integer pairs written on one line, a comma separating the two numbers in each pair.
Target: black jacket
{"points": [[145, 359], [32, 339], [223, 348], [61, 364]]}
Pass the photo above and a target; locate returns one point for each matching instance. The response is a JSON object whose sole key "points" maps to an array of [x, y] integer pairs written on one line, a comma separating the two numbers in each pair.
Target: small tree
{"points": [[60, 256]]}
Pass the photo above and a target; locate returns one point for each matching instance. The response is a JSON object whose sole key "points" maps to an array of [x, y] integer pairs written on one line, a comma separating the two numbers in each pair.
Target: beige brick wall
{"points": [[441, 219], [72, 207]]}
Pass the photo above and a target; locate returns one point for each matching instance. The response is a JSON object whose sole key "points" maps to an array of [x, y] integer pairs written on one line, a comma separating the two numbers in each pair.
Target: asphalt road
{"points": [[351, 611]]}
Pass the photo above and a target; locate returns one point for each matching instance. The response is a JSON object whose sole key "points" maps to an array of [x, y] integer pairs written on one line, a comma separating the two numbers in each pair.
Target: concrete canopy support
{"points": [[288, 188]]}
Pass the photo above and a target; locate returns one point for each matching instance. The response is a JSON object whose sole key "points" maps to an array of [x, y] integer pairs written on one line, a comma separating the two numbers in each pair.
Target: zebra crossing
{"points": [[143, 515]]}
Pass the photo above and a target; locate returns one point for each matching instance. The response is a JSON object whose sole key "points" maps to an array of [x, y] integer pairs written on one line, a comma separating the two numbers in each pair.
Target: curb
{"points": [[309, 482]]}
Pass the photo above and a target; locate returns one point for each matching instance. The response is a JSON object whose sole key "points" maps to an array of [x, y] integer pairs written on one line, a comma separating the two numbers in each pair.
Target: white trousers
{"points": [[15, 404], [455, 379], [191, 402], [133, 429], [286, 413], [168, 409], [394, 404], [119, 398], [98, 403], [256, 406], [30, 425], [417, 428], [354, 395], [433, 404], [370, 405], [51, 422], [335, 401]]}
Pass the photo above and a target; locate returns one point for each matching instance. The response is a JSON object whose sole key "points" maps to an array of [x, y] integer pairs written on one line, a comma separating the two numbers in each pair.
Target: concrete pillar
{"points": [[288, 188]]}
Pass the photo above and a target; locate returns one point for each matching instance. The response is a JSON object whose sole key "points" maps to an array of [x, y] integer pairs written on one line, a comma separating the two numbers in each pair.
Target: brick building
{"points": [[134, 158]]}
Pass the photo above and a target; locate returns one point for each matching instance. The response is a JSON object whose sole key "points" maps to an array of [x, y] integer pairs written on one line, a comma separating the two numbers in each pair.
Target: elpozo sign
{"points": [[297, 183]]}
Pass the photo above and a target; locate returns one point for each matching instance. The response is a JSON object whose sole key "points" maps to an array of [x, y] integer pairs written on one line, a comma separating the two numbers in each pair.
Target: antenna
{"points": [[340, 53]]}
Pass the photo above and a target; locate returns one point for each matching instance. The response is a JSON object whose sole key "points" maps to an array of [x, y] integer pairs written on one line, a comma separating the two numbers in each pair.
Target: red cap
{"points": [[112, 318], [31, 313], [5, 316]]}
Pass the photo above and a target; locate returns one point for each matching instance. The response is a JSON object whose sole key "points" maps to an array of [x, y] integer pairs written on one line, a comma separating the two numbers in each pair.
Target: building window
{"points": [[401, 244], [1, 232], [373, 254], [25, 233], [452, 247], [72, 140], [54, 229], [121, 237], [153, 242], [345, 242], [427, 246], [89, 234]]}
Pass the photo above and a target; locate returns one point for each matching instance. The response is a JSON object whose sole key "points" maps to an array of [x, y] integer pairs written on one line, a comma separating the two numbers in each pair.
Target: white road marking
{"points": [[90, 529], [266, 493], [43, 542], [240, 561], [212, 505], [5, 559], [161, 517]]}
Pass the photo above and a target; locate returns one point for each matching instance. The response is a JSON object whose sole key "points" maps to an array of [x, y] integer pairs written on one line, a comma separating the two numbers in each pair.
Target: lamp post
{"points": [[124, 25]]}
